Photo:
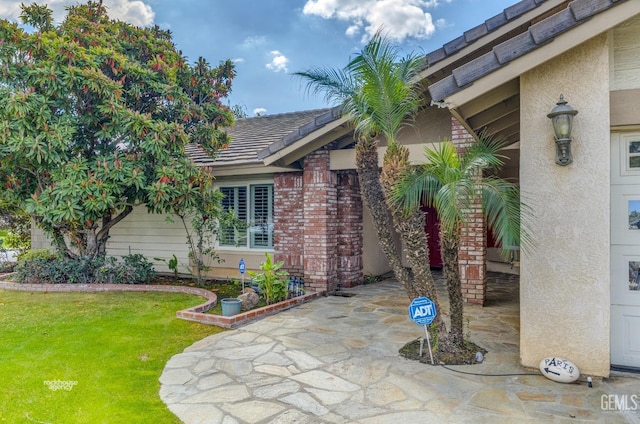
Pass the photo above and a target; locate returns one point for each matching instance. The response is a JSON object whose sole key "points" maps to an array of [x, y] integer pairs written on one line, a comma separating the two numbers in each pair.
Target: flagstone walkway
{"points": [[335, 360]]}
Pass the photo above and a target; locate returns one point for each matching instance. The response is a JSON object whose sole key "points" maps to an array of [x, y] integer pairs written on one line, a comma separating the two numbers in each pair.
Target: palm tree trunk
{"points": [[373, 197], [410, 226], [449, 245]]}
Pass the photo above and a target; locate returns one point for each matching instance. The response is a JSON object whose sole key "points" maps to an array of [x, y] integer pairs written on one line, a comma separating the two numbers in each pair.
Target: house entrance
{"points": [[625, 249], [432, 229]]}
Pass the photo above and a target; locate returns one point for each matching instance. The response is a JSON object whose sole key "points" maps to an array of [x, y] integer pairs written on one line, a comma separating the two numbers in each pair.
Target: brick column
{"points": [[288, 221], [320, 218], [473, 239], [349, 237]]}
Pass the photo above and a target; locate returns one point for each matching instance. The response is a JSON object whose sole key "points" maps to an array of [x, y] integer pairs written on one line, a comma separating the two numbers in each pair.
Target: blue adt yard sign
{"points": [[422, 311]]}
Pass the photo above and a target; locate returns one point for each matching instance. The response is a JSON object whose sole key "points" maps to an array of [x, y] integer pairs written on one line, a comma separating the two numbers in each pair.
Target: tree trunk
{"points": [[373, 197], [410, 226], [92, 244], [61, 245], [449, 245]]}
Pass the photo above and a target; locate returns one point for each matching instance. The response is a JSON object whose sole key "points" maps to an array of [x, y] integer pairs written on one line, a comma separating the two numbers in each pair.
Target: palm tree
{"points": [[451, 181], [380, 93]]}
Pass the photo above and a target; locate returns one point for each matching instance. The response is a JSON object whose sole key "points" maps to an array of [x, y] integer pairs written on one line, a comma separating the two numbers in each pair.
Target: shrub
{"points": [[271, 280], [38, 267], [37, 253], [142, 268]]}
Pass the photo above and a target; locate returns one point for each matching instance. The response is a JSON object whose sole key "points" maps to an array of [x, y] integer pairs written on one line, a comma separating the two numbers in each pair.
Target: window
{"points": [[630, 154], [253, 205], [634, 154]]}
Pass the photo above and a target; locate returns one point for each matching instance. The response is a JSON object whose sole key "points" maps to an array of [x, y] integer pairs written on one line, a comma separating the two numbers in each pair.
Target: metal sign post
{"points": [[242, 268], [422, 311], [426, 332]]}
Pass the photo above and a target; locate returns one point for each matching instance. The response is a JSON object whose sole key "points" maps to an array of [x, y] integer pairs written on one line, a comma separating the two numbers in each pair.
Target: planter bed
{"points": [[195, 313], [243, 318]]}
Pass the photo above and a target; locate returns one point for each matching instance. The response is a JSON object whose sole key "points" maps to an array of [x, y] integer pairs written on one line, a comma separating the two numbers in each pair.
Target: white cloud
{"points": [[443, 24], [253, 41], [259, 111], [278, 62], [238, 60], [399, 18], [136, 12]]}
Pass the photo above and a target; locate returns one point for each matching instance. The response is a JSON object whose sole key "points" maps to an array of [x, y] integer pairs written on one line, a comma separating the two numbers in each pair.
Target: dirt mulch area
{"points": [[466, 356]]}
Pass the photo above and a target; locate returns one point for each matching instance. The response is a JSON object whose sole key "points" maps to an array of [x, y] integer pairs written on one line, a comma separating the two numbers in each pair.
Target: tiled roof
{"points": [[490, 25], [536, 35], [249, 136], [319, 121]]}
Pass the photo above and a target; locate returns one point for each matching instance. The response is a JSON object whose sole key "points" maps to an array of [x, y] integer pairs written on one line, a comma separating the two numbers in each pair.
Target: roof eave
{"points": [[488, 38], [596, 25], [307, 144]]}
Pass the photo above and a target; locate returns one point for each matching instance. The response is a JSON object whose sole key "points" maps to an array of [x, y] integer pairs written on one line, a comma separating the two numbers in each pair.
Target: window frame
{"points": [[250, 211], [626, 155]]}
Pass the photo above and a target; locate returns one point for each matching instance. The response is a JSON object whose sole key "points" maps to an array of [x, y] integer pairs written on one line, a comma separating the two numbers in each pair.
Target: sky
{"points": [[269, 40]]}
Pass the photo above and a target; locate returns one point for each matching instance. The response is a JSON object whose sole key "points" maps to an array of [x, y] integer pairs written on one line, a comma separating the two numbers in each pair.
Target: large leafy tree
{"points": [[94, 117], [453, 182], [380, 92]]}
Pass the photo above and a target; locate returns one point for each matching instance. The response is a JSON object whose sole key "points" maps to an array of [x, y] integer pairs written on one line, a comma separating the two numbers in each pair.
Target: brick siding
{"points": [[473, 239], [321, 223], [349, 242], [318, 224], [288, 221]]}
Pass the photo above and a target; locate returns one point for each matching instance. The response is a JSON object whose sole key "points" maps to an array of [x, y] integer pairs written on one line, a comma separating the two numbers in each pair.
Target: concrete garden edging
{"points": [[195, 313]]}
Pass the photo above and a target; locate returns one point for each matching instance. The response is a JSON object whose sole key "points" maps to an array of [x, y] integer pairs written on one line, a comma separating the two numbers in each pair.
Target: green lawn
{"points": [[108, 348]]}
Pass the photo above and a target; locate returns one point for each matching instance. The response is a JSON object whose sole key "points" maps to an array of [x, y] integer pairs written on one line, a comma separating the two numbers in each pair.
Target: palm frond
{"points": [[484, 154], [502, 211], [414, 189], [336, 85]]}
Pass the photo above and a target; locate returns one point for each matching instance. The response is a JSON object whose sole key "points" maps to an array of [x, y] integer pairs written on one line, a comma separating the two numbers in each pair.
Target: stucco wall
{"points": [[432, 125], [374, 261], [564, 289]]}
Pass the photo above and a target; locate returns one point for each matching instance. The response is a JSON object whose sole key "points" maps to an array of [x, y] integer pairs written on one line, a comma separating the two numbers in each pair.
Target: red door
{"points": [[432, 230]]}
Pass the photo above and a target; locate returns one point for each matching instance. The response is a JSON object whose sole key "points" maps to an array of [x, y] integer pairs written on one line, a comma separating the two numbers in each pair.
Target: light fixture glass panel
{"points": [[562, 126]]}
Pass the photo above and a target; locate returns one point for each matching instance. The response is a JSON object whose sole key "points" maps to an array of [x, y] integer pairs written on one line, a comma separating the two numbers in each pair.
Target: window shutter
{"points": [[262, 216], [235, 199]]}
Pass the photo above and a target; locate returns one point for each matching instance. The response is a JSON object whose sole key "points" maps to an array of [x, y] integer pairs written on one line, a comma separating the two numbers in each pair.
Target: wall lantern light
{"points": [[562, 119]]}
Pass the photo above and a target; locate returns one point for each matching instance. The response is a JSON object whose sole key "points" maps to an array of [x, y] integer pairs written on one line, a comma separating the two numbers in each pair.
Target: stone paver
{"points": [[335, 360]]}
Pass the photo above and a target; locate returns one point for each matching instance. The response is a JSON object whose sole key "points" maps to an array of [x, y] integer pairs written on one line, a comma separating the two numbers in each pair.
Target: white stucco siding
{"points": [[151, 235], [564, 290]]}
